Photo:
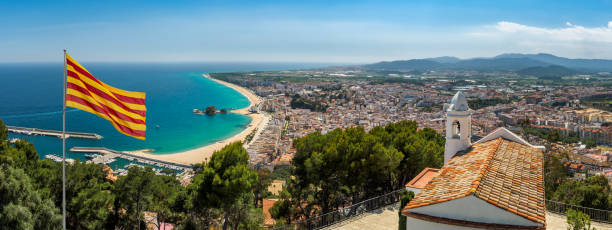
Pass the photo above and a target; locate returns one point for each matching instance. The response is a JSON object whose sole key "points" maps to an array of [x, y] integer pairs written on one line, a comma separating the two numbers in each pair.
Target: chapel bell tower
{"points": [[458, 126]]}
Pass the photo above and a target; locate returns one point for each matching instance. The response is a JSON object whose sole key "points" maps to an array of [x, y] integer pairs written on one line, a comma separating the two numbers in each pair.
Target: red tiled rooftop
{"points": [[502, 172], [574, 165], [419, 181], [267, 204], [457, 177]]}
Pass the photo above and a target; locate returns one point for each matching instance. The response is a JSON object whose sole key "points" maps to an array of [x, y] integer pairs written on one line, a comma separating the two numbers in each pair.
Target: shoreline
{"points": [[203, 153]]}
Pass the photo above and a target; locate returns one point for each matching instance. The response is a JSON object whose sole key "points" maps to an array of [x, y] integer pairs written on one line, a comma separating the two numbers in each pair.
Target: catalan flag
{"points": [[125, 110]]}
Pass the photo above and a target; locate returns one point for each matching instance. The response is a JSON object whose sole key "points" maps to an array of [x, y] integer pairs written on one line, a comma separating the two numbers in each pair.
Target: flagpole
{"points": [[64, 149]]}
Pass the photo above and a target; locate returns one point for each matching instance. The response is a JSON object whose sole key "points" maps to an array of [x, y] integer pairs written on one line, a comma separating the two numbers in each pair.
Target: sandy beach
{"points": [[198, 155]]}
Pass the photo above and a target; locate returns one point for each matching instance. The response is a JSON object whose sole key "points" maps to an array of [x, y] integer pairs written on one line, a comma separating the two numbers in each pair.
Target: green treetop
{"points": [[225, 184], [21, 206]]}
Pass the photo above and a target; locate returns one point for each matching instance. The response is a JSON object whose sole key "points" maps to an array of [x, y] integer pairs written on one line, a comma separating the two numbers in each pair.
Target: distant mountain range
{"points": [[542, 65]]}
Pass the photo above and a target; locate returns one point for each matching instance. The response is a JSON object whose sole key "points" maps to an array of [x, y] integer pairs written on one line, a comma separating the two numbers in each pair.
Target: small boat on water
{"points": [[58, 159], [197, 111]]}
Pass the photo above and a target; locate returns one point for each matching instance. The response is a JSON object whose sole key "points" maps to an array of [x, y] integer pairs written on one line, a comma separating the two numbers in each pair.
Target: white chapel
{"points": [[496, 182]]}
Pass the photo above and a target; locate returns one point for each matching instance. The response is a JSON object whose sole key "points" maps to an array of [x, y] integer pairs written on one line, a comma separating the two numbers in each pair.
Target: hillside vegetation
{"points": [[544, 65], [343, 167], [550, 72]]}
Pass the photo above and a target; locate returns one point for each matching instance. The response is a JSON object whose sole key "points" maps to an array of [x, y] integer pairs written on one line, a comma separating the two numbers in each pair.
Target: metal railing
{"points": [[597, 215], [339, 215], [375, 203]]}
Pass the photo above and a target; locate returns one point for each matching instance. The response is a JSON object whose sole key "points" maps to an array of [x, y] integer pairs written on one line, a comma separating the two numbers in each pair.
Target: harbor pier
{"points": [[55, 133], [132, 157]]}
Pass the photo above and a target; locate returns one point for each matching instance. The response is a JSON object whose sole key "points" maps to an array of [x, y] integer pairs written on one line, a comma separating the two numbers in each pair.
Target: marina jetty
{"points": [[58, 158], [111, 154], [45, 132]]}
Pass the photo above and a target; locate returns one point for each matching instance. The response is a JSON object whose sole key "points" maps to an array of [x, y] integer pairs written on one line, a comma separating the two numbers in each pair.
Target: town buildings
{"points": [[363, 103], [352, 99]]}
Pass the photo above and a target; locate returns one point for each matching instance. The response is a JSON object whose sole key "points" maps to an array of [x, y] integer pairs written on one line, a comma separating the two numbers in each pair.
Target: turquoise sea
{"points": [[31, 96]]}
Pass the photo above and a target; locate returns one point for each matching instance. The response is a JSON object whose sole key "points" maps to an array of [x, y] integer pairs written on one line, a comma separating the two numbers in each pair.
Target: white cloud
{"points": [[570, 33], [569, 40]]}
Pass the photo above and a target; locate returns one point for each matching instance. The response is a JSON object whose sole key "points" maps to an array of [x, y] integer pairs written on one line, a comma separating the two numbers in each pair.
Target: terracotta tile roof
{"points": [[458, 177], [504, 173], [572, 165], [514, 181], [419, 181], [267, 204]]}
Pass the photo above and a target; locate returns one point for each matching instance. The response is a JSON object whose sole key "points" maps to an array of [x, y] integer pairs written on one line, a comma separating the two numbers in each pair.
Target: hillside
{"points": [[501, 64], [584, 64], [445, 59], [408, 65], [549, 65], [553, 71]]}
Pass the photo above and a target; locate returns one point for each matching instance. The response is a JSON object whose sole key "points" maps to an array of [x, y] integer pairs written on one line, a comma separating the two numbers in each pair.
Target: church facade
{"points": [[495, 183]]}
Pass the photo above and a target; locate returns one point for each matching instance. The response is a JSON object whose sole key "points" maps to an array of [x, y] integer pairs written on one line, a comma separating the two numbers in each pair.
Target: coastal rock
{"points": [[210, 110]]}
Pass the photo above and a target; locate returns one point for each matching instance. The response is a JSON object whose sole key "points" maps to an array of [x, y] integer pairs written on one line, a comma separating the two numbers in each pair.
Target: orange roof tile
{"points": [[419, 181], [574, 165], [514, 162], [457, 177], [502, 172], [267, 204]]}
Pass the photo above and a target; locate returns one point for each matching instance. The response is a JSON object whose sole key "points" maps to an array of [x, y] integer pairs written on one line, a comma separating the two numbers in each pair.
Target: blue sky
{"points": [[300, 31]]}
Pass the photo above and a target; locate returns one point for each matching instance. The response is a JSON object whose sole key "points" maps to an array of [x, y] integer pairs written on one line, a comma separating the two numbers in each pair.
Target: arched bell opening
{"points": [[456, 129]]}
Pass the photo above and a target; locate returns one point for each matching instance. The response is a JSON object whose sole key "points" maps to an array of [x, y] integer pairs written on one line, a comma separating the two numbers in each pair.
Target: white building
{"points": [[494, 183]]}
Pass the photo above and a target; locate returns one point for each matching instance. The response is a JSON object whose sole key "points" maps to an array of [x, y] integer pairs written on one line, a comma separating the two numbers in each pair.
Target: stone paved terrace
{"points": [[556, 221], [386, 218]]}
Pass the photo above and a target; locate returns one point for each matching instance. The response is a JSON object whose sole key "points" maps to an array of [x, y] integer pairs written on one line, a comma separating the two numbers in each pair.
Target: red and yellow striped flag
{"points": [[125, 110]]}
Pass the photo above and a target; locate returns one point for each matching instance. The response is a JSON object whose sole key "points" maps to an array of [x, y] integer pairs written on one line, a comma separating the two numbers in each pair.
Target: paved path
{"points": [[386, 218], [556, 221]]}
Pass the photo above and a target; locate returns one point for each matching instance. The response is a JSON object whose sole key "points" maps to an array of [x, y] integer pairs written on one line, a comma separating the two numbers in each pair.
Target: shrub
{"points": [[578, 220], [405, 198]]}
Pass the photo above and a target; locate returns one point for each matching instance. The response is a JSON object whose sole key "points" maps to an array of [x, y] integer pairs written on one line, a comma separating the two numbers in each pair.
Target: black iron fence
{"points": [[378, 202], [597, 215], [339, 215]]}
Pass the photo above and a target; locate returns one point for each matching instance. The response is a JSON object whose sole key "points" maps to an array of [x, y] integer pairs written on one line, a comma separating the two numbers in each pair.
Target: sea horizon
{"points": [[275, 65]]}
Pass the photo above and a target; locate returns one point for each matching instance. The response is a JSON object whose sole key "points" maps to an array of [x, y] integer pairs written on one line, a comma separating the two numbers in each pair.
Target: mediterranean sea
{"points": [[31, 96]]}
